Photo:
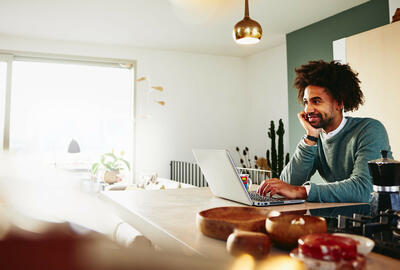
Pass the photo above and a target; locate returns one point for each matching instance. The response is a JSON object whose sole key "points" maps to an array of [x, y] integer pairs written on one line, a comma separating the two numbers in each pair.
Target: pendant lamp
{"points": [[247, 31]]}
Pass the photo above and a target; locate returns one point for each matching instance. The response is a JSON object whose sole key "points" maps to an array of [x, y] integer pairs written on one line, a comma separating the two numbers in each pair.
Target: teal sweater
{"points": [[342, 161]]}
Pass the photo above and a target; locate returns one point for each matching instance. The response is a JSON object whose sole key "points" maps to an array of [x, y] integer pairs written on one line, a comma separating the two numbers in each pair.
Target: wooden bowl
{"points": [[220, 222], [285, 230]]}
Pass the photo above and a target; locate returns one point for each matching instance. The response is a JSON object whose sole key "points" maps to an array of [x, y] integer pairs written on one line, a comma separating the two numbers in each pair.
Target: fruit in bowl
{"points": [[286, 229], [329, 251]]}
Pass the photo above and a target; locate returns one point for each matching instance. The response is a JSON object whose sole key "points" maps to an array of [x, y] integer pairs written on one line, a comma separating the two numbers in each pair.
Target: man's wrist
{"points": [[314, 133], [310, 140], [302, 192]]}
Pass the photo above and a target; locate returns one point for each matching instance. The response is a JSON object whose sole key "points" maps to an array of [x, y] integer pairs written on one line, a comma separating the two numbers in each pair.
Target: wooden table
{"points": [[168, 219]]}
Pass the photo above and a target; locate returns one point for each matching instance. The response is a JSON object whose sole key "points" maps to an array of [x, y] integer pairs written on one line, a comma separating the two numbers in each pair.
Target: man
{"points": [[338, 147]]}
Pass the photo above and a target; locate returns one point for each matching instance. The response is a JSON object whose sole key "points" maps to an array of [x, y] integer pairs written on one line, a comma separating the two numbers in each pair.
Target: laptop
{"points": [[224, 181]]}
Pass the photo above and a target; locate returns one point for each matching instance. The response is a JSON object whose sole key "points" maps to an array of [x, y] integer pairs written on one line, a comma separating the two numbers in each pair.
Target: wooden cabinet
{"points": [[375, 54]]}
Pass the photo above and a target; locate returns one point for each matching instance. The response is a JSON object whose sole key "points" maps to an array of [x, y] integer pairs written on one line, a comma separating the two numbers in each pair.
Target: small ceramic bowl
{"points": [[364, 244]]}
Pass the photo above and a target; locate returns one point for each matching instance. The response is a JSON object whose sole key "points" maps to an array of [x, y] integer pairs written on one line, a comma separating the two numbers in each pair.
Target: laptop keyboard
{"points": [[257, 197]]}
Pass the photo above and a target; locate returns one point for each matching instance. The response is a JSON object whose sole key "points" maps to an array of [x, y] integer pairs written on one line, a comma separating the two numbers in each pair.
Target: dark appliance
{"points": [[385, 173], [383, 228]]}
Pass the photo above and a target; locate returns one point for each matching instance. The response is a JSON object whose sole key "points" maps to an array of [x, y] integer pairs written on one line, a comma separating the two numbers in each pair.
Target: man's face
{"points": [[322, 110]]}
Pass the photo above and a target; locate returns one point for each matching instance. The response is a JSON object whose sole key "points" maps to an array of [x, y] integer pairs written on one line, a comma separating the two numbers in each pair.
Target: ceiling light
{"points": [[247, 31]]}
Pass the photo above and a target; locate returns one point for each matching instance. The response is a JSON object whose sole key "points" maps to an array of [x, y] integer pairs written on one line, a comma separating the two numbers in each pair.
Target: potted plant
{"points": [[112, 165]]}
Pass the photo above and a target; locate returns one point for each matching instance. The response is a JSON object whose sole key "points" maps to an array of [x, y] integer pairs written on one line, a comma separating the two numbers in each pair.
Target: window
{"points": [[3, 78], [54, 102]]}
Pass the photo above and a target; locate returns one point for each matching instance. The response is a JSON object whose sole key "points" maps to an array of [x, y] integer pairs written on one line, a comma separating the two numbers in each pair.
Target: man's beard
{"points": [[322, 123]]}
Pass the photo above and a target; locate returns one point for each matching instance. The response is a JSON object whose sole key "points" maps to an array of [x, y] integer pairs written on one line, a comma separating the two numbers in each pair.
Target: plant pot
{"points": [[111, 177]]}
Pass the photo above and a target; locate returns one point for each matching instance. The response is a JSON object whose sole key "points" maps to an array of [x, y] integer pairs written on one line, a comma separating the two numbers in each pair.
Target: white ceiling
{"points": [[201, 26]]}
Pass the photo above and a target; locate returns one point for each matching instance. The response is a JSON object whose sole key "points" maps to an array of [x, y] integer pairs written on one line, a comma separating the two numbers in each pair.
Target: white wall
{"points": [[204, 98], [266, 84]]}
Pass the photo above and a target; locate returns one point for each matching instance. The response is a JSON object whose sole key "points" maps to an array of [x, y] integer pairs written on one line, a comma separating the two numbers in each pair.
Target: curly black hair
{"points": [[338, 79]]}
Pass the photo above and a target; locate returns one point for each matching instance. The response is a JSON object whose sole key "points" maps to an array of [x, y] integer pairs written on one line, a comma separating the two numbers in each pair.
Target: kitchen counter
{"points": [[168, 219]]}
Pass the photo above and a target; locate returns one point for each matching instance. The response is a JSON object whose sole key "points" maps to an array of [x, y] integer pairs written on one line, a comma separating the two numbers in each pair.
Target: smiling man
{"points": [[338, 147]]}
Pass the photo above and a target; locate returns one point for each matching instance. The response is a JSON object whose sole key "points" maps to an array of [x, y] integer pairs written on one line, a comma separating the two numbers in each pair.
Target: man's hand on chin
{"points": [[310, 130], [277, 186]]}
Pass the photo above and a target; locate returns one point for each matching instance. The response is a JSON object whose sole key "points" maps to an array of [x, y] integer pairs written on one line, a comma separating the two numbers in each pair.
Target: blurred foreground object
{"points": [[62, 248], [244, 262], [46, 222], [279, 262], [256, 244], [59, 248]]}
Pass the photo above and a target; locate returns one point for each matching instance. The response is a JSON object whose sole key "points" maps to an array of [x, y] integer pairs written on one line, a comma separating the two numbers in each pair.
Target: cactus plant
{"points": [[280, 133], [271, 135], [277, 159], [287, 159]]}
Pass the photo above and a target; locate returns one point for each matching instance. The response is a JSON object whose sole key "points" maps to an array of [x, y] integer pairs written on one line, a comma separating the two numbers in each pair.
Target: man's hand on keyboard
{"points": [[277, 186]]}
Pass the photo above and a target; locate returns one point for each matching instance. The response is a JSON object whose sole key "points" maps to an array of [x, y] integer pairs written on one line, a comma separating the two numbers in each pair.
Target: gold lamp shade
{"points": [[247, 31]]}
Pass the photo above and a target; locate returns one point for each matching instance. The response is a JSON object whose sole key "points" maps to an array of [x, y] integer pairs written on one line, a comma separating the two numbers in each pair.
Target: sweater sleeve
{"points": [[358, 187], [301, 167]]}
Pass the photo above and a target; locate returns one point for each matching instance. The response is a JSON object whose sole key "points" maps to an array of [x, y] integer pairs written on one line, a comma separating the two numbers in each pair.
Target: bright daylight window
{"points": [[54, 103], [3, 76]]}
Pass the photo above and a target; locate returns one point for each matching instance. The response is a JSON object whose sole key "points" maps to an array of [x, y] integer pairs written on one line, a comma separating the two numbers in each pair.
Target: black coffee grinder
{"points": [[385, 174]]}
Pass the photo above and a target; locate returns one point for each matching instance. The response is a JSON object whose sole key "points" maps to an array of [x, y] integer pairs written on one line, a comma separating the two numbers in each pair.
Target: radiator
{"points": [[190, 173], [187, 173]]}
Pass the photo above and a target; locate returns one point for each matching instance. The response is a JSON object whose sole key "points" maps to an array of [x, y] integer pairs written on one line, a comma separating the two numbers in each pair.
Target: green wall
{"points": [[314, 42]]}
